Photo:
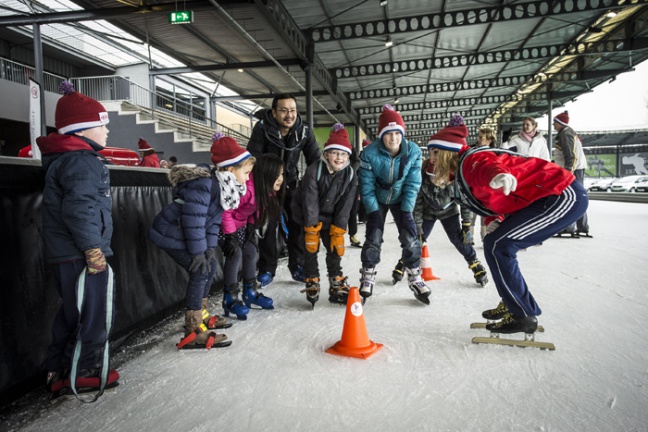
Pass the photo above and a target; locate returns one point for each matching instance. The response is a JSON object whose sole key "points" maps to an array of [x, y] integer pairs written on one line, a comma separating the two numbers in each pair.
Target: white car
{"points": [[629, 184], [603, 184]]}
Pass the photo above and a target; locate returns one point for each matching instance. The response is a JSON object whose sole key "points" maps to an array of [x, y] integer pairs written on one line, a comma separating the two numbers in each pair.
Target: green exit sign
{"points": [[181, 17]]}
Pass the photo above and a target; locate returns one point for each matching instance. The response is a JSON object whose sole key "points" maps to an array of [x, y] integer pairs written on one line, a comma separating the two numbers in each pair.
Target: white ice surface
{"points": [[429, 376]]}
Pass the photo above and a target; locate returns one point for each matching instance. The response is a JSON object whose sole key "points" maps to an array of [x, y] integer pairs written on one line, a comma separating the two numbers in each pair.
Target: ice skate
{"points": [[397, 273], [252, 297], [512, 324], [213, 321], [197, 335], [298, 274], [355, 242], [497, 313], [232, 305], [417, 285], [312, 290], [265, 278], [479, 272], [338, 289], [367, 282]]}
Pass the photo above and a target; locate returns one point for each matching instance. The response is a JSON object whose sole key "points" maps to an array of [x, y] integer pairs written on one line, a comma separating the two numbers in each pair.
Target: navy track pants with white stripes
{"points": [[527, 227]]}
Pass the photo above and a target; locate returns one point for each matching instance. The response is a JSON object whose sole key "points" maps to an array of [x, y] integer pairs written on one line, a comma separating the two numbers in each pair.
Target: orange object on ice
{"points": [[426, 265]]}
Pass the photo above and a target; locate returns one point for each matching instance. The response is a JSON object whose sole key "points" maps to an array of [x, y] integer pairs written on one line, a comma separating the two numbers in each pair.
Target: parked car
{"points": [[120, 156], [629, 183], [642, 187], [602, 185]]}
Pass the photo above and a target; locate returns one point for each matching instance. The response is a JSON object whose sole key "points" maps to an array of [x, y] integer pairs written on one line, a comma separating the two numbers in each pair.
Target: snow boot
{"points": [[213, 321], [355, 242], [265, 279], [397, 274], [417, 285], [514, 324], [198, 336], [232, 304], [497, 313], [312, 290], [479, 272], [252, 297], [367, 282], [338, 289]]}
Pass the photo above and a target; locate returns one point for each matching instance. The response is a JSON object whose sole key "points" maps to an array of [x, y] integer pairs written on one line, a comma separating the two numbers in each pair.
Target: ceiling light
{"points": [[240, 70], [610, 14], [383, 2], [397, 100], [389, 42]]}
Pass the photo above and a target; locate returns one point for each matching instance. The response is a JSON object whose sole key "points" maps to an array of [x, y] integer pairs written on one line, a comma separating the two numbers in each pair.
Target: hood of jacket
{"points": [[187, 172], [54, 145]]}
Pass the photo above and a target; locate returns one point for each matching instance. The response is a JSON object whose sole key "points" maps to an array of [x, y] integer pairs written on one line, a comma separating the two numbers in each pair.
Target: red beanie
{"points": [[143, 145], [76, 112], [226, 152], [365, 142], [563, 118], [452, 137], [338, 139], [390, 121]]}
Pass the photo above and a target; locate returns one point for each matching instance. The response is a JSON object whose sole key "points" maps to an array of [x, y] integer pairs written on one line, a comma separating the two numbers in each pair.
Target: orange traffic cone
{"points": [[355, 340], [426, 265]]}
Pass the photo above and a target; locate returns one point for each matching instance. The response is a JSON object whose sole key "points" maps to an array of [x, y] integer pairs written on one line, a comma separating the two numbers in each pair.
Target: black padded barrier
{"points": [[149, 285]]}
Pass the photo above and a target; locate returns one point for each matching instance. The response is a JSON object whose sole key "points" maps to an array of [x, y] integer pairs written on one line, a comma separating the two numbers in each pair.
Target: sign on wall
{"points": [[601, 165], [634, 164]]}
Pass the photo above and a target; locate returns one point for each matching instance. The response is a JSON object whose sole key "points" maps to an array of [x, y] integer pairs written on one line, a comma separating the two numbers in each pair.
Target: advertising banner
{"points": [[601, 165], [634, 164]]}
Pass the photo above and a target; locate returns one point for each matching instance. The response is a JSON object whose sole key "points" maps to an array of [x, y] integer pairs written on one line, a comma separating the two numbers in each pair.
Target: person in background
{"points": [[529, 142], [568, 153], [525, 199], [389, 179], [164, 164], [147, 154], [322, 205], [280, 131], [77, 230], [172, 161], [187, 229], [485, 138]]}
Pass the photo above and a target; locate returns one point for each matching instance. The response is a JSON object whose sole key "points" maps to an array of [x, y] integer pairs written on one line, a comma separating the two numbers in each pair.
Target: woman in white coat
{"points": [[529, 142]]}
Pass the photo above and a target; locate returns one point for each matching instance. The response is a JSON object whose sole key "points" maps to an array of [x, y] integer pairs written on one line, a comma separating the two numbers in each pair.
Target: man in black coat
{"points": [[281, 131]]}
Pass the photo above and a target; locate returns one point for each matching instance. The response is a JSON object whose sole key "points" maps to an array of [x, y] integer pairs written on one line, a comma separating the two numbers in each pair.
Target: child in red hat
{"points": [[188, 231], [147, 154], [389, 179], [526, 200], [322, 206], [77, 229]]}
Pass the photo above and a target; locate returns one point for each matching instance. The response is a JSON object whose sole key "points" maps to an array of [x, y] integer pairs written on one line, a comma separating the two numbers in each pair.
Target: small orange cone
{"points": [[355, 340], [426, 265]]}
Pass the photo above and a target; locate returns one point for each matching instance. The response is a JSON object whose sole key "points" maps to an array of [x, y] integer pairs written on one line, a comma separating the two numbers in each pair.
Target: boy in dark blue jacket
{"points": [[77, 227]]}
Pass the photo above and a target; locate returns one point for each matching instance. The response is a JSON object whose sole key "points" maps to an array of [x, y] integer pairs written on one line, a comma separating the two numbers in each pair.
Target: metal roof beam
{"points": [[491, 57], [264, 96], [464, 17], [224, 66]]}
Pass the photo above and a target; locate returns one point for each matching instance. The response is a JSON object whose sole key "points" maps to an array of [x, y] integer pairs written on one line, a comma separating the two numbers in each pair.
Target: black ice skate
{"points": [[497, 313], [513, 324], [397, 274], [312, 290], [479, 272]]}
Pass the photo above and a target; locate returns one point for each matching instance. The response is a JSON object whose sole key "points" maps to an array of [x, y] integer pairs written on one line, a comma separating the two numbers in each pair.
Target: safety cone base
{"points": [[355, 339], [426, 265]]}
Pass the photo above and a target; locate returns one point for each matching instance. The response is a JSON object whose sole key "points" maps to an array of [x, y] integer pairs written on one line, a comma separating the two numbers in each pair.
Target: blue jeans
{"points": [[527, 227], [452, 227], [199, 284], [410, 244]]}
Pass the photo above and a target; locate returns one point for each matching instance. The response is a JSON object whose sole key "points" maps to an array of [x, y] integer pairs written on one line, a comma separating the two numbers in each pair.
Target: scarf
{"points": [[528, 137], [231, 190]]}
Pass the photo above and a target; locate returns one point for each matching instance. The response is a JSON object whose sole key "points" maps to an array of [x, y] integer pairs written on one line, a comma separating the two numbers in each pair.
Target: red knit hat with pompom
{"points": [[76, 112], [338, 139], [452, 137], [226, 152], [563, 118], [390, 121]]}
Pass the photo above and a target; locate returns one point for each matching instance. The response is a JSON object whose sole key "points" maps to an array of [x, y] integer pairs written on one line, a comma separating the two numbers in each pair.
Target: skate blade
{"points": [[222, 344], [423, 299], [514, 342], [221, 326], [482, 325]]}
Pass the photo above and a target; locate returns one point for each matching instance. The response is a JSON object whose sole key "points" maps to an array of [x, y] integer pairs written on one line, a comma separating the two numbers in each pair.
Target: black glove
{"points": [[466, 235], [199, 264], [251, 235], [407, 220], [209, 255], [374, 219], [230, 245]]}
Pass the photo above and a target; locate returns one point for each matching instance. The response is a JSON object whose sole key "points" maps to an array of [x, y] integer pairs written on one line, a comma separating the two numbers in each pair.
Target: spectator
{"points": [[568, 153], [322, 206], [529, 142], [147, 154], [164, 164], [77, 230], [172, 161], [280, 131], [389, 179]]}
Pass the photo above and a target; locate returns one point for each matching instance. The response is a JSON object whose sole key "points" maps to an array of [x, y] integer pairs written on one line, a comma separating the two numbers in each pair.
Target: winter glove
{"points": [[506, 181], [407, 220], [230, 244], [251, 235], [209, 255], [312, 237], [199, 264], [466, 235], [95, 260], [492, 226], [337, 239]]}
